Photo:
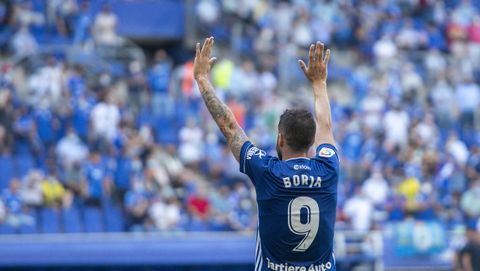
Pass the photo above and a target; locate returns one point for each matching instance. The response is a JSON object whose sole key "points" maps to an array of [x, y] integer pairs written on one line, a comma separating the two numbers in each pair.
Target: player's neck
{"points": [[288, 156]]}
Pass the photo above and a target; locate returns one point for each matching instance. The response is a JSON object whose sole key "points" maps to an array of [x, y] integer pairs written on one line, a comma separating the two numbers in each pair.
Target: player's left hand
{"points": [[203, 62]]}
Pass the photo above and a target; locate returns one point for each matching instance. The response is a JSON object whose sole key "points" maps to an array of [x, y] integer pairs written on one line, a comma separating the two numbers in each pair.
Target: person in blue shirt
{"points": [[296, 195], [97, 178], [159, 80]]}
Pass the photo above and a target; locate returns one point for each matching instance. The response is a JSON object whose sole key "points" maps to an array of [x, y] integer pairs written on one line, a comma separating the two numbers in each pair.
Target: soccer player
{"points": [[296, 195]]}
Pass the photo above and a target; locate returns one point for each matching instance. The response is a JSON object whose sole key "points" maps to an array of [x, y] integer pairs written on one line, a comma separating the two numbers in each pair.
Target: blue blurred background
{"points": [[109, 159]]}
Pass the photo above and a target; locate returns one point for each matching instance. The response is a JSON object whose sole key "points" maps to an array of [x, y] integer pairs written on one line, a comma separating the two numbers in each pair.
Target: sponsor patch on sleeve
{"points": [[255, 151], [326, 152]]}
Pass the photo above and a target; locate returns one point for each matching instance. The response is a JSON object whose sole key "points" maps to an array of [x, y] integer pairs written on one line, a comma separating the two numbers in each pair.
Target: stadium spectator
{"points": [[136, 205], [468, 99], [46, 84], [26, 15], [82, 24], [159, 77], [470, 201], [359, 210], [470, 253], [199, 207], [165, 214], [31, 191], [52, 190], [105, 120], [190, 149], [105, 27], [221, 207], [395, 123], [16, 211], [23, 43], [473, 163], [97, 179], [376, 188], [71, 150]]}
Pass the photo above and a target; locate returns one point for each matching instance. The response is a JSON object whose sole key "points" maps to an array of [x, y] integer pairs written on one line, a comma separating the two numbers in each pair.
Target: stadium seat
{"points": [[28, 229], [49, 220], [93, 219], [7, 229], [113, 217], [7, 166], [71, 220], [23, 163]]}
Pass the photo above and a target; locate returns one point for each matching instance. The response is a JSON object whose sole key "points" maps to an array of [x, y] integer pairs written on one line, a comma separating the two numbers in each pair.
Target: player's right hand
{"points": [[316, 71], [203, 62]]}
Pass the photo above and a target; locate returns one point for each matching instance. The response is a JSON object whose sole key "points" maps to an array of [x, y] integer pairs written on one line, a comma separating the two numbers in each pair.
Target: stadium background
{"points": [[109, 160]]}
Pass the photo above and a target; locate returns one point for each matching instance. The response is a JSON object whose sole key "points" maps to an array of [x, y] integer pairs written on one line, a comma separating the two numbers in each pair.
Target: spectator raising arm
{"points": [[316, 72], [222, 115]]}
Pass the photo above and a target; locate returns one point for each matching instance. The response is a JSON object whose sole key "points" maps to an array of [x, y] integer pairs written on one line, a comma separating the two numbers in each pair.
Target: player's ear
{"points": [[281, 140]]}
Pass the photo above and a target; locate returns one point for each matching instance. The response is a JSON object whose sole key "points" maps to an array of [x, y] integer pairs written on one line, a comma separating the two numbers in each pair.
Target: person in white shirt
{"points": [[191, 144], [70, 149], [359, 210], [105, 27], [457, 149], [376, 187], [165, 215], [105, 118], [396, 122]]}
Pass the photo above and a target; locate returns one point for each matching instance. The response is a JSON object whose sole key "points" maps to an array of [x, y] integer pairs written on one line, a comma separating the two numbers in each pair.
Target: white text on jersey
{"points": [[302, 180]]}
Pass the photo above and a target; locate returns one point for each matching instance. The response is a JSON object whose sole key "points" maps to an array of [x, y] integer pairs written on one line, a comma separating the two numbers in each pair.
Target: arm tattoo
{"points": [[224, 118]]}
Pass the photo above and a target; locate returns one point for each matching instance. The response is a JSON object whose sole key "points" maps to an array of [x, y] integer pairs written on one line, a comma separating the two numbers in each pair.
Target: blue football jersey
{"points": [[297, 201]]}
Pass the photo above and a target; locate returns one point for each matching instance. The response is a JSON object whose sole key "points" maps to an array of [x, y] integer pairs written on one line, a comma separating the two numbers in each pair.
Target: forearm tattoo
{"points": [[224, 118]]}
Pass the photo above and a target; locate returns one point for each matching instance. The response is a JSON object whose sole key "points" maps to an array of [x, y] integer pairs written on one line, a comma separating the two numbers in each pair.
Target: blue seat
{"points": [[24, 162], [28, 229], [71, 220], [7, 229], [7, 171], [113, 217], [50, 221], [92, 219]]}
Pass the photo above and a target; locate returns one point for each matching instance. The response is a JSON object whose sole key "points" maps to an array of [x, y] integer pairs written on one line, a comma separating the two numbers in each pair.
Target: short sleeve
{"points": [[327, 154], [253, 161]]}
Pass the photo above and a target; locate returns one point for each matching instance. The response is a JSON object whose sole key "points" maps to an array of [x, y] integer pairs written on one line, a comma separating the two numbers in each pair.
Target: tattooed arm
{"points": [[222, 115]]}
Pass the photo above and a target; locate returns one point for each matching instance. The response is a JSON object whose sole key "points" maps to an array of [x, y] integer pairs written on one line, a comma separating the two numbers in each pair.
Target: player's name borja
{"points": [[302, 180], [287, 267]]}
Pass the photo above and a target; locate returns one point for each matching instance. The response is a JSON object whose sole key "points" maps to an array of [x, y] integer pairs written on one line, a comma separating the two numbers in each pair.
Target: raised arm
{"points": [[222, 115], [316, 72]]}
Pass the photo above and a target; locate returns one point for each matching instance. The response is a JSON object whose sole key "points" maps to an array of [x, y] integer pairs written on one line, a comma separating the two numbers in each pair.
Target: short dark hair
{"points": [[298, 127]]}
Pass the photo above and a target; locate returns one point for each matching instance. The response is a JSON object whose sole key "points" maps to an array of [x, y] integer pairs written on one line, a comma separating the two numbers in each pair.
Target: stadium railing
{"points": [[166, 249]]}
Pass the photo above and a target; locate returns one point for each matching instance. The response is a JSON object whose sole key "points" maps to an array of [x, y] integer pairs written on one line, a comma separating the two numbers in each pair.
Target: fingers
{"points": [[311, 55], [302, 66], [210, 46], [204, 47], [207, 47], [197, 49], [327, 57], [212, 60], [319, 51]]}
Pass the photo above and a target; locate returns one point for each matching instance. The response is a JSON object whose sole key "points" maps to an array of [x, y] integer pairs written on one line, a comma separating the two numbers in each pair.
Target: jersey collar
{"points": [[298, 158]]}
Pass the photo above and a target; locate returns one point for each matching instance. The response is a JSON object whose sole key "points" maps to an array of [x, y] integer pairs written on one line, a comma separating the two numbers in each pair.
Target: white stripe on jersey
{"points": [[258, 254], [245, 156]]}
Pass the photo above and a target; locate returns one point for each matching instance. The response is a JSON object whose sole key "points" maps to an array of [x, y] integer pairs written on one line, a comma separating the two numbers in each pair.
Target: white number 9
{"points": [[310, 228]]}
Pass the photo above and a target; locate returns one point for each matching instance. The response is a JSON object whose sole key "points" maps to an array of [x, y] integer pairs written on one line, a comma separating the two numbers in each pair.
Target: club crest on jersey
{"points": [[255, 151], [326, 152]]}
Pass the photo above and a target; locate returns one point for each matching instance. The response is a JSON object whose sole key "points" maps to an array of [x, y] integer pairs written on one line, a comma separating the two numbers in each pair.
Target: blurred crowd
{"points": [[403, 81]]}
